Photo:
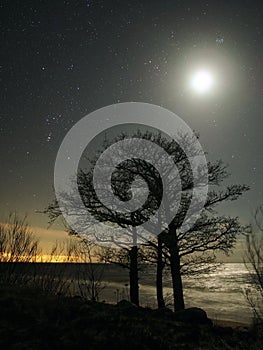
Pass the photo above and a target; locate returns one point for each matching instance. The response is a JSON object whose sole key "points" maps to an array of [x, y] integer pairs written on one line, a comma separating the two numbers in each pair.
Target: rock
{"points": [[192, 315], [128, 309], [125, 304], [163, 312]]}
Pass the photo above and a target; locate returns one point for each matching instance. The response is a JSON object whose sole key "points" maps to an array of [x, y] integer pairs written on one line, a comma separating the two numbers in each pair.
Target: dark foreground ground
{"points": [[29, 320]]}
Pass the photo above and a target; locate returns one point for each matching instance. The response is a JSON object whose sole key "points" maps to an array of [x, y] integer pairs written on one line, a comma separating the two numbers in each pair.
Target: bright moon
{"points": [[202, 82]]}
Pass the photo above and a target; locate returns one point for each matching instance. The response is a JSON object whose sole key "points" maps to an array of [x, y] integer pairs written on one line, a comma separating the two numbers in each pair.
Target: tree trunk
{"points": [[178, 294], [134, 278], [134, 286], [159, 275]]}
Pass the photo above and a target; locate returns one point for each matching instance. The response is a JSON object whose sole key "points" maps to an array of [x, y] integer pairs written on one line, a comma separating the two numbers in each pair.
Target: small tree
{"points": [[90, 273], [17, 245], [254, 263], [51, 277]]}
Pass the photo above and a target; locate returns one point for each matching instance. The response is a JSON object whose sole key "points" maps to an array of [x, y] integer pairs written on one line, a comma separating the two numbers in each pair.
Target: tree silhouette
{"points": [[17, 245], [254, 263], [184, 250]]}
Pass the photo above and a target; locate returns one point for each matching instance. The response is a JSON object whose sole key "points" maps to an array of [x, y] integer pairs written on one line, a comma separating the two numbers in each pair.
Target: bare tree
{"points": [[182, 250], [191, 251], [18, 246], [254, 262], [51, 275], [90, 272]]}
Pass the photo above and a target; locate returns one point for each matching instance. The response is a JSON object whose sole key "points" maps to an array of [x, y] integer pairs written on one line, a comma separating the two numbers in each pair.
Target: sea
{"points": [[220, 293]]}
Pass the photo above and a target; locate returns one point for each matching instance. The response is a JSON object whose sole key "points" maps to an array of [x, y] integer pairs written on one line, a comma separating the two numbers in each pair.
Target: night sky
{"points": [[61, 60]]}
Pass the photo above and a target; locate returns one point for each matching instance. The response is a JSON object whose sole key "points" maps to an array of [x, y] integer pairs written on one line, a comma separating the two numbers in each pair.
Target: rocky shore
{"points": [[30, 320]]}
